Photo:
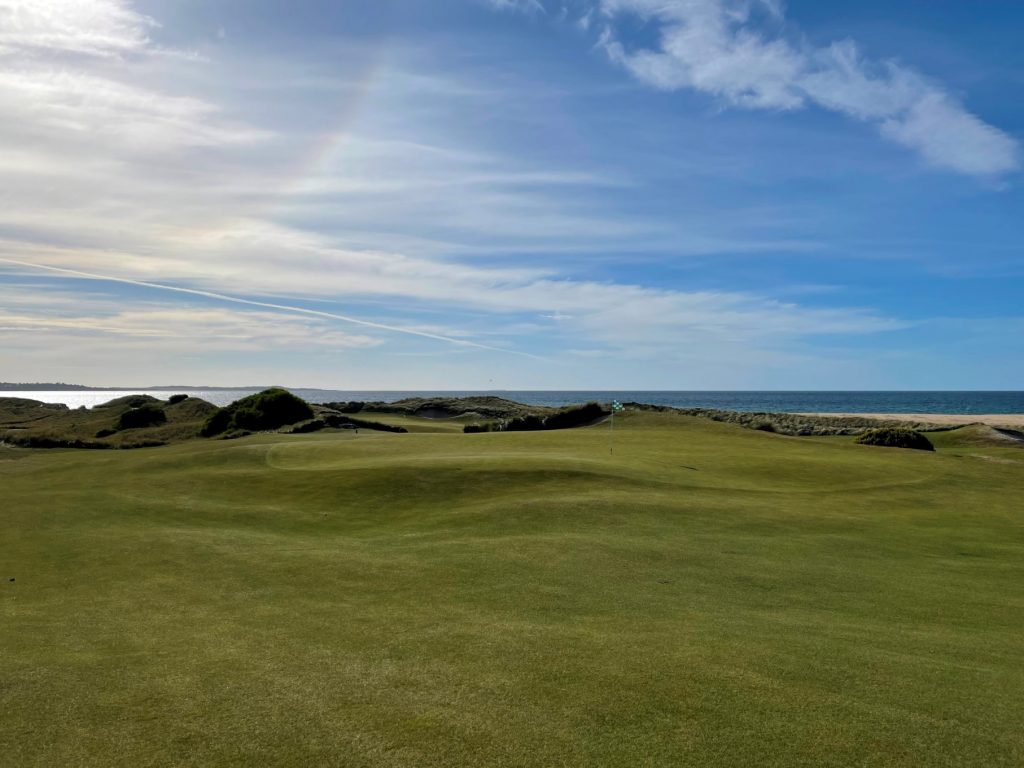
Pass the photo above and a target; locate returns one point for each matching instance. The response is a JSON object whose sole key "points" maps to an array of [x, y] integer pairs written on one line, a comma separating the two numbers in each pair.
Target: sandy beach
{"points": [[1011, 420]]}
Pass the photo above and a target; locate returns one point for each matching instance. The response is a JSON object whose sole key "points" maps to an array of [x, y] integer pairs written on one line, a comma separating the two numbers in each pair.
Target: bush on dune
{"points": [[575, 417], [266, 410], [894, 437], [471, 429], [147, 415], [567, 418]]}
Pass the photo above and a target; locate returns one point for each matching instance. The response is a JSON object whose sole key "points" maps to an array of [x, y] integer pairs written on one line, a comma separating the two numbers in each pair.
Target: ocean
{"points": [[791, 402]]}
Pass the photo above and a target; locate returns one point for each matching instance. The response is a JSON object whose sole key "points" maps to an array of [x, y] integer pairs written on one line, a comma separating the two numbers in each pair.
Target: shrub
{"points": [[175, 399], [266, 410], [106, 433], [48, 441], [305, 427], [528, 423], [895, 437], [147, 415], [471, 429], [575, 417], [218, 423]]}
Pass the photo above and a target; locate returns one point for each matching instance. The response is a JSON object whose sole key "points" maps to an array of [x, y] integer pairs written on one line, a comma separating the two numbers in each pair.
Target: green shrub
{"points": [[218, 423], [147, 415], [577, 416], [305, 427], [175, 399], [528, 423], [106, 433], [895, 437], [266, 410], [471, 429], [48, 441]]}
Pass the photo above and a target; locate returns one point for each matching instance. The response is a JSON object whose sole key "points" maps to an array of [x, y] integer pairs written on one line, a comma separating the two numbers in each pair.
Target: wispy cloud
{"points": [[531, 6], [92, 27], [253, 303], [741, 52]]}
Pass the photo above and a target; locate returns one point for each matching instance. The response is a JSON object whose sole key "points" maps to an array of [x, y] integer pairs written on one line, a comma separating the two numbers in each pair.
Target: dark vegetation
{"points": [[565, 418], [175, 399], [264, 411], [895, 437], [146, 415]]}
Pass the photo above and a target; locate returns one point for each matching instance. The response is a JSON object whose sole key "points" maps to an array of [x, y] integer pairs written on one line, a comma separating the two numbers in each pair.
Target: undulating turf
{"points": [[705, 596]]}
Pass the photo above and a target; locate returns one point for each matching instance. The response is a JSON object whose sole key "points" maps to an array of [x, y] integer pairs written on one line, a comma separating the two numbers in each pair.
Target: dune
{"points": [[1011, 420]]}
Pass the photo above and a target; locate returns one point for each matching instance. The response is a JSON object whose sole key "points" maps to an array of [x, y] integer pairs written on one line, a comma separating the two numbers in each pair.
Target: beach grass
{"points": [[703, 596]]}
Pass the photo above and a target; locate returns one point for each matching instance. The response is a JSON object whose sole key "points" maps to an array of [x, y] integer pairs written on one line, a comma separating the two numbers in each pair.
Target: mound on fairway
{"points": [[706, 596], [269, 409], [894, 437]]}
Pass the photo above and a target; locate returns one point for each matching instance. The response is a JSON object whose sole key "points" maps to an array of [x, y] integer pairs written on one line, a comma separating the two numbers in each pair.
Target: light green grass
{"points": [[707, 596]]}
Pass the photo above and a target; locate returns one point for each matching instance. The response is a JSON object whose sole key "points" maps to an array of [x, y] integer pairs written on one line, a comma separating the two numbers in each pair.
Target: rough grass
{"points": [[706, 596], [31, 423]]}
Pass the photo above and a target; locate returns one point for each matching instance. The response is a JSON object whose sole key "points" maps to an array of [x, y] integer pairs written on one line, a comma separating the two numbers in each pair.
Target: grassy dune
{"points": [[706, 596]]}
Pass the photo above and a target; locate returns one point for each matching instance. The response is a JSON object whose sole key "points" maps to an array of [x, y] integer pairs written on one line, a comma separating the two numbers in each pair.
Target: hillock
{"points": [[895, 437], [487, 407], [147, 415], [794, 424], [564, 418], [266, 410], [134, 421]]}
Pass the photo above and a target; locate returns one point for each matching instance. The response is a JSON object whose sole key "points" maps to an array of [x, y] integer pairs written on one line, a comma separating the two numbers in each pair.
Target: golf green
{"points": [[702, 596]]}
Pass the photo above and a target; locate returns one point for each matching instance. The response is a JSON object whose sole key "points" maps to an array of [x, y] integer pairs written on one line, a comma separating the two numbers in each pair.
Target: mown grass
{"points": [[706, 596]]}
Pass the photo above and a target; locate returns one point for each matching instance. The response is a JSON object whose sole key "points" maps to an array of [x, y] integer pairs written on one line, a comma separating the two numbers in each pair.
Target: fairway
{"points": [[704, 596]]}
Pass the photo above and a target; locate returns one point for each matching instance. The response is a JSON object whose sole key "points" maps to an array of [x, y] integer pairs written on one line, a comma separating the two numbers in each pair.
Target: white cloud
{"points": [[721, 48], [90, 27], [172, 329], [530, 6], [79, 108]]}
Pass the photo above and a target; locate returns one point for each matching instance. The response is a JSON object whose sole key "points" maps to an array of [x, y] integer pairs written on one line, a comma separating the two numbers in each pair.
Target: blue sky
{"points": [[662, 194]]}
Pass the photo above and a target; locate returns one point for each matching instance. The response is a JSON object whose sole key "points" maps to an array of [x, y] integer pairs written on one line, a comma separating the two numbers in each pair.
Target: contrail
{"points": [[266, 305]]}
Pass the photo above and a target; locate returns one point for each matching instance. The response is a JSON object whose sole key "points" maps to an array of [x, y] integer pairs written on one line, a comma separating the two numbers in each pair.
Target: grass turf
{"points": [[706, 596]]}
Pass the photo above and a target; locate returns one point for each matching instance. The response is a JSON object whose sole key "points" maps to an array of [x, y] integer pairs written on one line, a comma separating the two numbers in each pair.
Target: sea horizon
{"points": [[966, 402]]}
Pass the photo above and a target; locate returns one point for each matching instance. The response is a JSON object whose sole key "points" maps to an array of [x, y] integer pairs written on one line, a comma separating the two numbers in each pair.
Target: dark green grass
{"points": [[706, 596]]}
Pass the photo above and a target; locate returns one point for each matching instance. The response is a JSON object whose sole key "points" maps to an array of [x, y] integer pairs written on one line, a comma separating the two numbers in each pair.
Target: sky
{"points": [[513, 194]]}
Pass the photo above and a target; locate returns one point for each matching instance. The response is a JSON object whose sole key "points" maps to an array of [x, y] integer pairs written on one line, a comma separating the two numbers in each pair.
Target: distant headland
{"points": [[6, 386]]}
